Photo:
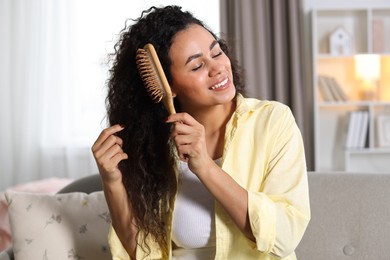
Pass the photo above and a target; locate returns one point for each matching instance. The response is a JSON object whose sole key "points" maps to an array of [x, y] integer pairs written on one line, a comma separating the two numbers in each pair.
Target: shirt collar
{"points": [[243, 105]]}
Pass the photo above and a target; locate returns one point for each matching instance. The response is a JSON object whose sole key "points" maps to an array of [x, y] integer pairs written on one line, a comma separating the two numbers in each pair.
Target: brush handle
{"points": [[167, 98]]}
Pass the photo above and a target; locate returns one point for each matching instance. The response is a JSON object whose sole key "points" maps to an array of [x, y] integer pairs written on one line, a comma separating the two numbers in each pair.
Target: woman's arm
{"points": [[232, 197], [189, 136], [108, 152]]}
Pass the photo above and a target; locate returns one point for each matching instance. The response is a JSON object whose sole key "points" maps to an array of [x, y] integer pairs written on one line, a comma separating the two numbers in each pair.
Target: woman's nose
{"points": [[216, 68]]}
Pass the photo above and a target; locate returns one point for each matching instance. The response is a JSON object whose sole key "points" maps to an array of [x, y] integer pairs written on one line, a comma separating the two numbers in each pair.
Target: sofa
{"points": [[350, 216]]}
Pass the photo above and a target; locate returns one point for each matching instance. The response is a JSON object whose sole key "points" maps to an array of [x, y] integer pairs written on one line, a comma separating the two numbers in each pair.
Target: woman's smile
{"points": [[221, 86]]}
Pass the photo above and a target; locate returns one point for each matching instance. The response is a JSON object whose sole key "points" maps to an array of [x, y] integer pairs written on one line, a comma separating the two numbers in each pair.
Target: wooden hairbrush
{"points": [[153, 77]]}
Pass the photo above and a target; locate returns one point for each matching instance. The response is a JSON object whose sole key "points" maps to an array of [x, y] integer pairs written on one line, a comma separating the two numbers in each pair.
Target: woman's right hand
{"points": [[107, 151]]}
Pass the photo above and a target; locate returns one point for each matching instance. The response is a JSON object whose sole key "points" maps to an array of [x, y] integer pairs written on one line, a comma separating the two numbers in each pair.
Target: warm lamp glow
{"points": [[368, 71], [368, 66]]}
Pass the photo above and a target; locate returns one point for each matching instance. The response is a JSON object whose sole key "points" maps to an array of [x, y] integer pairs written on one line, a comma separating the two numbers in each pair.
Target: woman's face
{"points": [[201, 72]]}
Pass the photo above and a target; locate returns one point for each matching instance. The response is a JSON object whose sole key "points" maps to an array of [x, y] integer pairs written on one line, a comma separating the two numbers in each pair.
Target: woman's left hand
{"points": [[190, 139]]}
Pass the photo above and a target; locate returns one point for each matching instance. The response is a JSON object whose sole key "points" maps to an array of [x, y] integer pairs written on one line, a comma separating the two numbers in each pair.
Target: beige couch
{"points": [[350, 216]]}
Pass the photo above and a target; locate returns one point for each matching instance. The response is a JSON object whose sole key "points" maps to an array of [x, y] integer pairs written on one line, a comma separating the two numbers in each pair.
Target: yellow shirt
{"points": [[264, 153]]}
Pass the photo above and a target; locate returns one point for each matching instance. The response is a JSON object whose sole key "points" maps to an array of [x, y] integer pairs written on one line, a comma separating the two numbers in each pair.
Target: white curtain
{"points": [[52, 90]]}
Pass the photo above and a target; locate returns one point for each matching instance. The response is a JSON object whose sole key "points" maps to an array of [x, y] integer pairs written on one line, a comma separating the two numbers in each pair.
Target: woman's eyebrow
{"points": [[215, 42], [192, 57]]}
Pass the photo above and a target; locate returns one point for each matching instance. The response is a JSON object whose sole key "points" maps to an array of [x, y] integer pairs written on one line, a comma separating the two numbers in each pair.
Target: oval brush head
{"points": [[153, 77]]}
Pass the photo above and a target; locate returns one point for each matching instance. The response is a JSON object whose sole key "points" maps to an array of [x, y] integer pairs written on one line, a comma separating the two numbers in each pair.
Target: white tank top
{"points": [[193, 227]]}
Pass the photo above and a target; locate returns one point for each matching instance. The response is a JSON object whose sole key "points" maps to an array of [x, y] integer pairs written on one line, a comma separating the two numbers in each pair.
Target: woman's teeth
{"points": [[219, 84]]}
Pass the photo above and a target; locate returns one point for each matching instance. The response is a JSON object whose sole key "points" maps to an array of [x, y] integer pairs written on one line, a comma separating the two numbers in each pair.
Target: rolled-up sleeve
{"points": [[280, 212], [118, 252]]}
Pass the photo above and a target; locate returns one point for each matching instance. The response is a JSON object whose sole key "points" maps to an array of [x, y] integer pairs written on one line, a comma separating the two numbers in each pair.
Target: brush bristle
{"points": [[149, 76]]}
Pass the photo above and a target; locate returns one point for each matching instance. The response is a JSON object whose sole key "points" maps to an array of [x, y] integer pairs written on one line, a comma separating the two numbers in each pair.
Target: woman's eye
{"points": [[197, 67], [218, 54]]}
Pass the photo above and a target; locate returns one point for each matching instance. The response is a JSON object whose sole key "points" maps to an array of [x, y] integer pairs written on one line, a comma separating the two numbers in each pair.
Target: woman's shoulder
{"points": [[274, 114], [263, 106]]}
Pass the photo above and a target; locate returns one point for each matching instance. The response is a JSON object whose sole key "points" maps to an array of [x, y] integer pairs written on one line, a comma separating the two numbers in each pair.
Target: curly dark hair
{"points": [[149, 174]]}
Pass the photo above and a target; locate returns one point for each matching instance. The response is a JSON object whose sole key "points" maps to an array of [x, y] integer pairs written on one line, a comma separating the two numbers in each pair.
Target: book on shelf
{"points": [[378, 33], [324, 89], [357, 132], [352, 130], [363, 136], [330, 89]]}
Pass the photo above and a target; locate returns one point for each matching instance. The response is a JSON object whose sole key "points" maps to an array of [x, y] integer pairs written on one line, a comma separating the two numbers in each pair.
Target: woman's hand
{"points": [[190, 140], [108, 152]]}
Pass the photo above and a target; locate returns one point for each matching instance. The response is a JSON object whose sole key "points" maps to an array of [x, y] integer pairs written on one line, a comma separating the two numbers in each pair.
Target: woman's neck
{"points": [[214, 121], [214, 118]]}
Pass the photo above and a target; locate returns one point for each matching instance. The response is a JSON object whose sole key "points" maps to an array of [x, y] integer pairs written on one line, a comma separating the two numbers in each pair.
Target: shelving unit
{"points": [[369, 33]]}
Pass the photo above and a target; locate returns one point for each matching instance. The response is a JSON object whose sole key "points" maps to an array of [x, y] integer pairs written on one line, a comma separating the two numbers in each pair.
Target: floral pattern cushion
{"points": [[61, 226]]}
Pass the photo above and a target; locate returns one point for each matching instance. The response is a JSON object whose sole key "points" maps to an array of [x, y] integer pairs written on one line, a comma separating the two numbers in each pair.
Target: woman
{"points": [[224, 178]]}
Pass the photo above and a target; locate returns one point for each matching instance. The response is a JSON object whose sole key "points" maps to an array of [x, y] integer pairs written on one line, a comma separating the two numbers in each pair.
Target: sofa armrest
{"points": [[87, 184]]}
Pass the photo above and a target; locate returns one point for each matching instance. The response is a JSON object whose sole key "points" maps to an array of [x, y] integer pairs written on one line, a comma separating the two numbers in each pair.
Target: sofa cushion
{"points": [[62, 226], [350, 217], [46, 186]]}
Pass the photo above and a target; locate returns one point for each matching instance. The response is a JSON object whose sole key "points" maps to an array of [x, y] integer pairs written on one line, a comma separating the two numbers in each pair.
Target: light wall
{"points": [[205, 10]]}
